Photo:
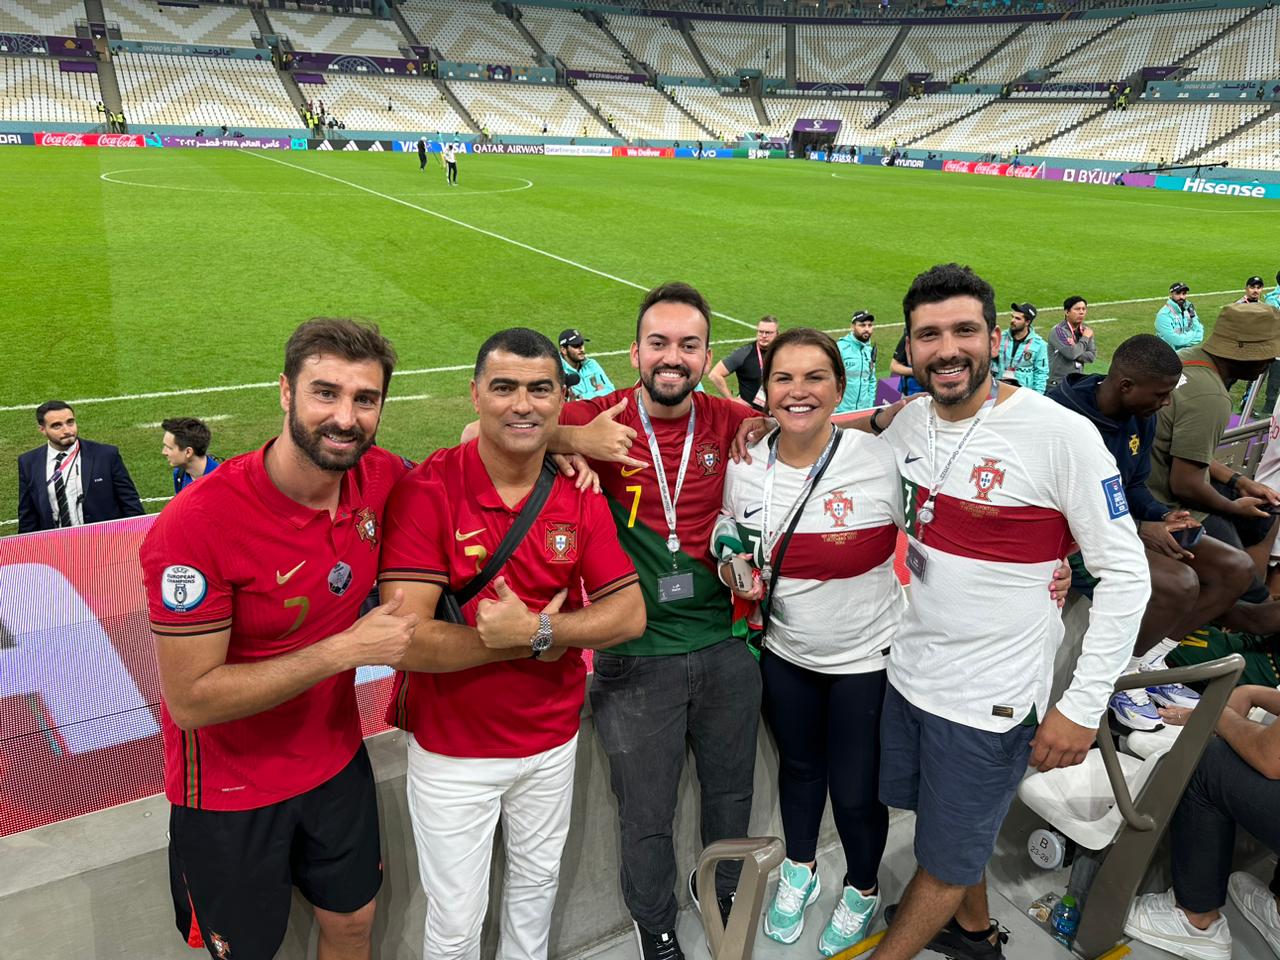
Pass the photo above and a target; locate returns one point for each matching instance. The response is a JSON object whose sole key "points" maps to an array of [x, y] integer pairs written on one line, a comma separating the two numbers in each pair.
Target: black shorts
{"points": [[236, 869]]}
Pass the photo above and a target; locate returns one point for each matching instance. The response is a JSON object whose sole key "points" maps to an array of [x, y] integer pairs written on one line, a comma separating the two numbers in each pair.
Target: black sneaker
{"points": [[657, 946], [725, 903], [952, 942]]}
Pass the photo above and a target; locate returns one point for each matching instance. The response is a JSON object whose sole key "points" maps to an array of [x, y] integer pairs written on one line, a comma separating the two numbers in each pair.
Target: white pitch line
{"points": [[160, 423], [454, 368], [416, 396], [481, 230]]}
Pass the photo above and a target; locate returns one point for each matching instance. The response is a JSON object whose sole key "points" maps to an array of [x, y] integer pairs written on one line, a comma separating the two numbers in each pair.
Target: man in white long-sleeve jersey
{"points": [[997, 482]]}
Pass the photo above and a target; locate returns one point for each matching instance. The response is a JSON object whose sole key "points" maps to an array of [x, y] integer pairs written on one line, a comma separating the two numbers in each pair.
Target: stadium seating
{"points": [[1003, 125], [1037, 46], [640, 112], [202, 92], [567, 35], [467, 31], [212, 25], [729, 117], [1151, 132], [1249, 52], [855, 114], [1149, 41], [325, 34], [914, 118], [943, 50], [50, 17], [728, 46], [840, 54], [33, 90], [653, 42], [1258, 147], [512, 108], [361, 103]]}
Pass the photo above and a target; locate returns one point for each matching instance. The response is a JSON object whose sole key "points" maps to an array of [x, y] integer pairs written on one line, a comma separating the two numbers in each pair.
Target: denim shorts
{"points": [[958, 779]]}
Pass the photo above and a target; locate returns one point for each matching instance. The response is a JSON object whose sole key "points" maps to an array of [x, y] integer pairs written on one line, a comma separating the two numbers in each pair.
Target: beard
{"points": [[979, 378], [311, 443], [669, 395]]}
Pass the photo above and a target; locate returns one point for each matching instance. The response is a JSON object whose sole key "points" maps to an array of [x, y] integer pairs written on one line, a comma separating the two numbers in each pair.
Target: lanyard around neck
{"points": [[660, 471]]}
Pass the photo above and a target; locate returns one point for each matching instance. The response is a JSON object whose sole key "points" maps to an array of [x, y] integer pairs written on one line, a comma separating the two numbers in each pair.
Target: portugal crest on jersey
{"points": [[986, 476], [709, 457], [838, 507], [1134, 445], [367, 526], [562, 542]]}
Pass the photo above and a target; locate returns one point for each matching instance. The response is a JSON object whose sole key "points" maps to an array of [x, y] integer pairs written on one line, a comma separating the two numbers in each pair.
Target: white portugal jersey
{"points": [[978, 642]]}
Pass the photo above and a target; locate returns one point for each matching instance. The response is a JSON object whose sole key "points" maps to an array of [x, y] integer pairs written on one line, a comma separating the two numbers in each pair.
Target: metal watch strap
{"points": [[540, 642]]}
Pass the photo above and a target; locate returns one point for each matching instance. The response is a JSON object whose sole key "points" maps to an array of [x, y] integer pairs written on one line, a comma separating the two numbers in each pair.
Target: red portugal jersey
{"points": [[234, 552], [705, 618], [444, 521]]}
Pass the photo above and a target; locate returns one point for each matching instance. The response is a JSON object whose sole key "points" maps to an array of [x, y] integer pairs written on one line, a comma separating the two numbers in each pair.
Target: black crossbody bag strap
{"points": [[451, 604], [766, 611]]}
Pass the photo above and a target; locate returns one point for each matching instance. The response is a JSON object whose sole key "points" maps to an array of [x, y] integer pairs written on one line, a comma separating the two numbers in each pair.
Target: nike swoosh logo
{"points": [[632, 471], [910, 459], [749, 513], [460, 536], [283, 578]]}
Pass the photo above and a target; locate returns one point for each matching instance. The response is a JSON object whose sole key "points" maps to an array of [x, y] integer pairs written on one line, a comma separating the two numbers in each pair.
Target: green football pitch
{"points": [[148, 284]]}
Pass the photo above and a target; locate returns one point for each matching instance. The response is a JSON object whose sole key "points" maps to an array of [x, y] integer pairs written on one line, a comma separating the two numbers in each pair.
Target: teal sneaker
{"points": [[850, 923], [797, 888]]}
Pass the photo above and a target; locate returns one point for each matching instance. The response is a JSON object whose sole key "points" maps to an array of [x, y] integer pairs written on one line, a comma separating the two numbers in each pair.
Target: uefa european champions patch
{"points": [[182, 588], [1117, 503]]}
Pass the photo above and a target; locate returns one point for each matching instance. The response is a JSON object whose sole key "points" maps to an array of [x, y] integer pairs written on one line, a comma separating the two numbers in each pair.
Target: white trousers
{"points": [[455, 804]]}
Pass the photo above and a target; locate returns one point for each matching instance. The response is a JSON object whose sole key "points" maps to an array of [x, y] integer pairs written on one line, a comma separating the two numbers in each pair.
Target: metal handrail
{"points": [[759, 855], [1199, 719]]}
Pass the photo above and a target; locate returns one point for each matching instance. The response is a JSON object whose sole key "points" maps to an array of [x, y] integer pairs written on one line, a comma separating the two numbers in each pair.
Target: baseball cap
{"points": [[572, 338], [1179, 287], [1026, 309], [1246, 331], [1255, 282], [863, 316]]}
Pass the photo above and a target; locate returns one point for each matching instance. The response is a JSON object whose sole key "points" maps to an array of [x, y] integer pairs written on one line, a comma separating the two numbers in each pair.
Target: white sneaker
{"points": [[1154, 918], [1258, 905]]}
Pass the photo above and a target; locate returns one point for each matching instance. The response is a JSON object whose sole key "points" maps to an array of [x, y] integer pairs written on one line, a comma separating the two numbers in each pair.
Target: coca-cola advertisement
{"points": [[89, 140]]}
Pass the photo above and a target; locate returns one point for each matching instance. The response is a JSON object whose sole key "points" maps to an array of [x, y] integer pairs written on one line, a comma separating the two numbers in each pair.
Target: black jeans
{"points": [[1224, 791], [645, 709], [827, 726]]}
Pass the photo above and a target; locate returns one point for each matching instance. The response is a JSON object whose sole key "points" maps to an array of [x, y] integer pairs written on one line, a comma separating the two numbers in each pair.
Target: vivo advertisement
{"points": [[79, 690]]}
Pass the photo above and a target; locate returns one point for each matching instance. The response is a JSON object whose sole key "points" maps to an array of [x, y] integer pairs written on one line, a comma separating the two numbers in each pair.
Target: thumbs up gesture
{"points": [[506, 622], [606, 439]]}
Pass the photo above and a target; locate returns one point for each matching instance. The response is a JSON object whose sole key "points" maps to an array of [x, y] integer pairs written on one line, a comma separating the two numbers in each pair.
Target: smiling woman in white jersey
{"points": [[816, 510]]}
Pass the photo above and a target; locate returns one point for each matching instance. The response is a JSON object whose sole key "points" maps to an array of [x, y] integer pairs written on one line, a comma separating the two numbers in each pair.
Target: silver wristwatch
{"points": [[540, 642]]}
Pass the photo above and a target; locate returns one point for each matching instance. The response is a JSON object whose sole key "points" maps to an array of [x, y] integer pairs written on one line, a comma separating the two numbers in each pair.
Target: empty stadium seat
{"points": [[34, 90], [728, 46], [839, 53], [579, 44], [912, 119], [321, 33], [1257, 148], [1149, 132], [361, 103], [46, 17], [1147, 41], [653, 42], [1004, 125], [1036, 47], [943, 50], [216, 24], [512, 108], [202, 92], [640, 112], [1252, 51], [1079, 800], [853, 114], [467, 31], [728, 116]]}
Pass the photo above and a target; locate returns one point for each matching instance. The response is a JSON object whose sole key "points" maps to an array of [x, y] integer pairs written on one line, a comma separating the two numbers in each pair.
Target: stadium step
{"points": [[591, 109], [693, 117], [686, 31], [972, 68], [1088, 42], [543, 57], [1229, 28], [454, 102], [887, 59], [1037, 144], [403, 24]]}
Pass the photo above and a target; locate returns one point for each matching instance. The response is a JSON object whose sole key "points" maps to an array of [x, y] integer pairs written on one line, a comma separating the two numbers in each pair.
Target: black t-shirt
{"points": [[746, 363]]}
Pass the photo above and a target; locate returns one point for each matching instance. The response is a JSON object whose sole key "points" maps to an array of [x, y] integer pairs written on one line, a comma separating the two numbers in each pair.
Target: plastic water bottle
{"points": [[1065, 920]]}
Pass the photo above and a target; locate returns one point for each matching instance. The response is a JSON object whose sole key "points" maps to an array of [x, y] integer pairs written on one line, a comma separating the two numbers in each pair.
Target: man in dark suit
{"points": [[68, 482]]}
